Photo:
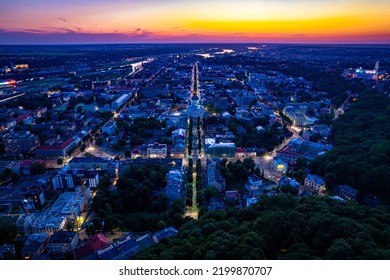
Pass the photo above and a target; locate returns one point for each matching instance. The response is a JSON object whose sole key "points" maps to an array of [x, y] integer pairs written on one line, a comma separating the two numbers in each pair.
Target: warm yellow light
{"points": [[268, 157]]}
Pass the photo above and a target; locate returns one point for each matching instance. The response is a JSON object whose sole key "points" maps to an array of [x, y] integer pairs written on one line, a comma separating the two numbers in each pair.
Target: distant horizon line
{"points": [[198, 43]]}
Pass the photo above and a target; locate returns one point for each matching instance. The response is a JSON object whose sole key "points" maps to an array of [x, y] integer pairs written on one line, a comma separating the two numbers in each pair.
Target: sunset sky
{"points": [[171, 21]]}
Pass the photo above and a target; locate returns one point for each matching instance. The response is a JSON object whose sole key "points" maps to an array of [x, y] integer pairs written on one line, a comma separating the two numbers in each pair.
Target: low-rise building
{"points": [[253, 185], [123, 249], [63, 242], [298, 116], [245, 152], [149, 92], [232, 197], [34, 246], [165, 233], [315, 183], [68, 205], [174, 183], [216, 204], [109, 128], [254, 180], [88, 251], [347, 192], [322, 130], [301, 148], [89, 163], [121, 101], [288, 181], [55, 151], [214, 178], [157, 150], [48, 223], [279, 165], [219, 150], [177, 153], [16, 144]]}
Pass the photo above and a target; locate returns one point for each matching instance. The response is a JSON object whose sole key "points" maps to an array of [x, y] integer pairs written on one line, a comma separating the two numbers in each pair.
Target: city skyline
{"points": [[172, 21]]}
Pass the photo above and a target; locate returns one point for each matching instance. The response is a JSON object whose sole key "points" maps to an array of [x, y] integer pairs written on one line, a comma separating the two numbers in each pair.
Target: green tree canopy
{"points": [[282, 227]]}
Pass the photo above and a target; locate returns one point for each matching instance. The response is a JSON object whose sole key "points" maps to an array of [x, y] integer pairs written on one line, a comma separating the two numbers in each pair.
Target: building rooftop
{"points": [[165, 233], [62, 237], [88, 160], [94, 244], [254, 178], [117, 248], [146, 241], [58, 147], [315, 178]]}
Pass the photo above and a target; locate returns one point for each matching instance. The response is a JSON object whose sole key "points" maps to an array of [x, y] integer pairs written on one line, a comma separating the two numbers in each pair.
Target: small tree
{"points": [[7, 230], [161, 224], [14, 176], [60, 161], [99, 141], [70, 225], [90, 230], [116, 146], [37, 168]]}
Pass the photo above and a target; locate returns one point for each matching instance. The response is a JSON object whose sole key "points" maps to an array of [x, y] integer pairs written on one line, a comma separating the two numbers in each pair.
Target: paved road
{"points": [[339, 111]]}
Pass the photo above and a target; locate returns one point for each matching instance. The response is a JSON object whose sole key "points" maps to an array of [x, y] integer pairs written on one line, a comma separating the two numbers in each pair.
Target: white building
{"points": [[48, 223], [68, 205], [254, 180], [156, 150], [253, 185], [315, 183], [298, 116], [120, 101]]}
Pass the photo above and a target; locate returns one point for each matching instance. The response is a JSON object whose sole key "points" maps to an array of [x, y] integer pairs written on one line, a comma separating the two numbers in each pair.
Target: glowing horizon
{"points": [[174, 21]]}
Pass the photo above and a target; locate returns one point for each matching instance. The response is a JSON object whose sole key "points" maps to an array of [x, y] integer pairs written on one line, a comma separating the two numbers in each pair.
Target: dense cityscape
{"points": [[194, 151]]}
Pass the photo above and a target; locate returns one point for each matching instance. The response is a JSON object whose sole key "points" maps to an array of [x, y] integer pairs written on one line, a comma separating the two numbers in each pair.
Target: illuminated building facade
{"points": [[16, 144]]}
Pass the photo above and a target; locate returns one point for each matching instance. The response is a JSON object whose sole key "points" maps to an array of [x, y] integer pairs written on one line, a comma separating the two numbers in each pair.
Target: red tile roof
{"points": [[58, 147], [95, 243]]}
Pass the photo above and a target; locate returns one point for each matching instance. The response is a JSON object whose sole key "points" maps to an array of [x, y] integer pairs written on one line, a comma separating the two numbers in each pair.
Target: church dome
{"points": [[195, 98]]}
